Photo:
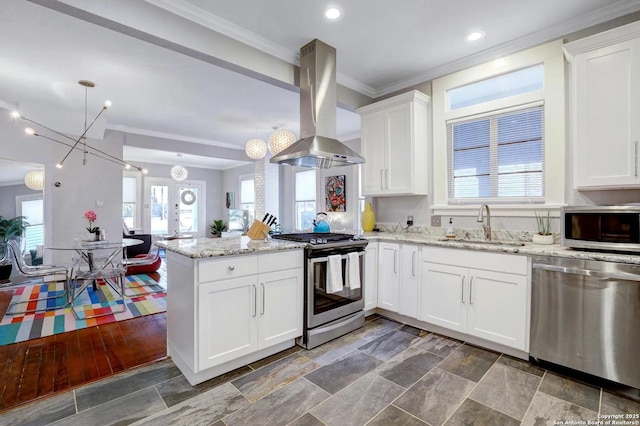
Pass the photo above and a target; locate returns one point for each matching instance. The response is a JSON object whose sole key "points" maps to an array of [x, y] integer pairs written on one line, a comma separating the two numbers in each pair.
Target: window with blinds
{"points": [[497, 156]]}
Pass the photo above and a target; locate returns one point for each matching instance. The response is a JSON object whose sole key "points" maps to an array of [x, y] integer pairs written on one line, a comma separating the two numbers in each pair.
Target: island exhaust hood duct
{"points": [[317, 147]]}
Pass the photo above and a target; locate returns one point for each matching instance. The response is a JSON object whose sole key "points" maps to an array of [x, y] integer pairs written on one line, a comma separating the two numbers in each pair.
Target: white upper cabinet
{"points": [[605, 107], [394, 138]]}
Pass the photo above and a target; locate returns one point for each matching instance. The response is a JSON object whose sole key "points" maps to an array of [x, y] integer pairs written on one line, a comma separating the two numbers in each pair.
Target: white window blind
{"points": [[497, 156]]}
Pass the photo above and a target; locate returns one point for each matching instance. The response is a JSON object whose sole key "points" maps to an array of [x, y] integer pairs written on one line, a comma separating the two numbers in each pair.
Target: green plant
{"points": [[218, 227], [544, 223], [10, 228]]}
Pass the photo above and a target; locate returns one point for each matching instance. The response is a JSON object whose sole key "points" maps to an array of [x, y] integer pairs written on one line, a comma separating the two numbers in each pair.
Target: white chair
{"points": [[39, 271], [110, 272]]}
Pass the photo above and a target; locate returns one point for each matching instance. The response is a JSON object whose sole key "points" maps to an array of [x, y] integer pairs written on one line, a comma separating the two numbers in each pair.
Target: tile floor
{"points": [[383, 374]]}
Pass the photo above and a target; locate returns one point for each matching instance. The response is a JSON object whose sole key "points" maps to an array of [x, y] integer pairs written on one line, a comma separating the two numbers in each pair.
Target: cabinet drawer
{"points": [[477, 259], [280, 260], [226, 268]]}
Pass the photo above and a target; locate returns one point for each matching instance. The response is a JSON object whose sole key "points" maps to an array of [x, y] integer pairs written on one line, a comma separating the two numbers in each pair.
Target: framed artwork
{"points": [[334, 190]]}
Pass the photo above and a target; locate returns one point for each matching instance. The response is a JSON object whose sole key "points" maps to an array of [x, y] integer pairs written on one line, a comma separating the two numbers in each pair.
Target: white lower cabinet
{"points": [[242, 315], [371, 276], [478, 293], [388, 276], [409, 271]]}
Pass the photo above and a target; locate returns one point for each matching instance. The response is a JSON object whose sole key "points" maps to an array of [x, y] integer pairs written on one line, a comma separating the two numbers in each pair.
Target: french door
{"points": [[175, 207]]}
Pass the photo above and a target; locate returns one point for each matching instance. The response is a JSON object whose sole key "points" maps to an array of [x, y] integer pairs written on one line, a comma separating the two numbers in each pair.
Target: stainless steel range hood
{"points": [[318, 148]]}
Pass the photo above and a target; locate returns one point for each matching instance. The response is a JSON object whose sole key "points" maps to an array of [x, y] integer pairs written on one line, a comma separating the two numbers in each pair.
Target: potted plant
{"points": [[218, 227], [9, 228], [544, 235]]}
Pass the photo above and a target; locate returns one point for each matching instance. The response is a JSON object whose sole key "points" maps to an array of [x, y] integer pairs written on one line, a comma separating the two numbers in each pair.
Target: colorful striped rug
{"points": [[21, 327]]}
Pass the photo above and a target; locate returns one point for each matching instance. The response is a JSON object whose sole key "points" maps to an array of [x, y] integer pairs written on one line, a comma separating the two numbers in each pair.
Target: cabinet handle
{"points": [[232, 268], [262, 311], [381, 179], [386, 180], [413, 268], [636, 159], [255, 300], [471, 291], [395, 257], [462, 281]]}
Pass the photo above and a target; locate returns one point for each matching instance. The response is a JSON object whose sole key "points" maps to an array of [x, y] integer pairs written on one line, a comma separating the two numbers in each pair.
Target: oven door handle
{"points": [[326, 259]]}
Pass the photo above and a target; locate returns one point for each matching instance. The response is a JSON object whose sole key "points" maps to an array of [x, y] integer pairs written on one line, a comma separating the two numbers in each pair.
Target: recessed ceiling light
{"points": [[474, 36], [332, 13]]}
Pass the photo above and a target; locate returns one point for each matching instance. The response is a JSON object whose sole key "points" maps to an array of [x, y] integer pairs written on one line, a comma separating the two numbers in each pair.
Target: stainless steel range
{"points": [[329, 313]]}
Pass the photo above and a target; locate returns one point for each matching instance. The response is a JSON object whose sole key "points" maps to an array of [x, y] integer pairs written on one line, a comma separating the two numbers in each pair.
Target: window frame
{"points": [[553, 97], [137, 214]]}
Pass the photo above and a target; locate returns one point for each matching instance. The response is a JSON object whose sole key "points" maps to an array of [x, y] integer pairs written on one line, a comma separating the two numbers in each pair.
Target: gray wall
{"points": [[8, 195]]}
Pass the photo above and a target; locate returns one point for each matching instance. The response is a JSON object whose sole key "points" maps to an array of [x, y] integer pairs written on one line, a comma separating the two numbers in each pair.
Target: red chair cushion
{"points": [[145, 269]]}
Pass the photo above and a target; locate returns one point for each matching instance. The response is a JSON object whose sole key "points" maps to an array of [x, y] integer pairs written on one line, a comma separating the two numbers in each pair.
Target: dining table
{"points": [[105, 251]]}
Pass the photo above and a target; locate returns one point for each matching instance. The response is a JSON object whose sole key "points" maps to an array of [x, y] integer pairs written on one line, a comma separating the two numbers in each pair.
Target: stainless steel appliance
{"points": [[317, 148], [603, 228], [329, 315], [586, 316]]}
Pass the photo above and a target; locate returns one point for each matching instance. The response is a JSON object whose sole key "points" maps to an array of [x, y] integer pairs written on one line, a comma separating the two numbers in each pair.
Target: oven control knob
{"points": [[323, 240], [312, 241]]}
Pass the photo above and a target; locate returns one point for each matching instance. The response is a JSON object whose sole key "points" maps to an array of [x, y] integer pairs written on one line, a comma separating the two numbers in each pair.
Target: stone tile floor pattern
{"points": [[383, 374]]}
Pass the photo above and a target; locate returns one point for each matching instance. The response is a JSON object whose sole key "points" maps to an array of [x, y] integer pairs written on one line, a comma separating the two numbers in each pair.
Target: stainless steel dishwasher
{"points": [[586, 315]]}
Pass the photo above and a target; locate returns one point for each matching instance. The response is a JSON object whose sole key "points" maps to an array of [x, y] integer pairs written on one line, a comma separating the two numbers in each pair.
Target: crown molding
{"points": [[227, 28], [163, 135], [578, 23], [356, 85]]}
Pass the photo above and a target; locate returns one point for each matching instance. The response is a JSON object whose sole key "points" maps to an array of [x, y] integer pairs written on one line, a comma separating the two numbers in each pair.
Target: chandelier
{"points": [[81, 142], [279, 140], [35, 180], [179, 172], [255, 148]]}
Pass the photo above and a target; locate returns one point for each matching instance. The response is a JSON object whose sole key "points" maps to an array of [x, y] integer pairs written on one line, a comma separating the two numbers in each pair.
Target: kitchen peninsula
{"points": [[231, 301]]}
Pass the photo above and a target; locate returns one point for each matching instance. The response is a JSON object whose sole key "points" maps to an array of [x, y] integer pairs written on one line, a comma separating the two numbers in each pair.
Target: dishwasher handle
{"points": [[588, 272]]}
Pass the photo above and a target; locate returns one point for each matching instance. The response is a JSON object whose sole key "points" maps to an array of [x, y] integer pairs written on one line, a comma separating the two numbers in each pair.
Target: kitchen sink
{"points": [[492, 243]]}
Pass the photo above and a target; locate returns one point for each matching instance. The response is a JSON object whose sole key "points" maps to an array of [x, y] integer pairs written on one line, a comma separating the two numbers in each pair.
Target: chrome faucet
{"points": [[487, 227]]}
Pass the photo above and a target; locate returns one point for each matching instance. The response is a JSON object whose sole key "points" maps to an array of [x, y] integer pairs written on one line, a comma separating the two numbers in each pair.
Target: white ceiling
{"points": [[159, 92]]}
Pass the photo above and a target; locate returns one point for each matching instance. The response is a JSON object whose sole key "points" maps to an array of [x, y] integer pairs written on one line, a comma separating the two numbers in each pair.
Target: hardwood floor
{"points": [[45, 366]]}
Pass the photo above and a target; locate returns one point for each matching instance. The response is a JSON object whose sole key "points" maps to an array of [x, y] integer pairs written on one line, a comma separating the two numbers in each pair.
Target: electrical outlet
{"points": [[435, 220], [409, 220]]}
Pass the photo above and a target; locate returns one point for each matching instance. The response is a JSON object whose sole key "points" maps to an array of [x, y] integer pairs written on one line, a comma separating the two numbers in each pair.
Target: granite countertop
{"points": [[515, 246], [225, 246]]}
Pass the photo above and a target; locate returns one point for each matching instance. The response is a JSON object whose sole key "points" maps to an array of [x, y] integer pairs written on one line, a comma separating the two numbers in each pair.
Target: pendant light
{"points": [[280, 139], [256, 148], [35, 180], [179, 172]]}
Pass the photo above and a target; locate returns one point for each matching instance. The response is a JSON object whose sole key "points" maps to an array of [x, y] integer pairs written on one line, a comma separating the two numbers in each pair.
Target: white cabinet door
{"points": [[394, 139], [374, 147], [399, 150], [497, 307], [409, 268], [443, 295], [279, 306], [388, 276], [607, 90], [227, 320], [371, 276]]}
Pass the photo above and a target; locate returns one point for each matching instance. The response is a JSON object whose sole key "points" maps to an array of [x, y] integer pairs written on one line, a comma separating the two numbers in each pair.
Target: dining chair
{"points": [[39, 271], [138, 265], [82, 277]]}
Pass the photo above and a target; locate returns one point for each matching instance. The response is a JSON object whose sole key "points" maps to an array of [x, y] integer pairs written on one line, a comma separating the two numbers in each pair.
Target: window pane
{"points": [[305, 214], [33, 210], [188, 213], [511, 84], [497, 156], [159, 209], [128, 214], [306, 185], [128, 189], [247, 191]]}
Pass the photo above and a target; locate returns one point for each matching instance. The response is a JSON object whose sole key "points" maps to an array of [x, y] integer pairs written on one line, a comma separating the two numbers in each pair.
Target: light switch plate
{"points": [[435, 220]]}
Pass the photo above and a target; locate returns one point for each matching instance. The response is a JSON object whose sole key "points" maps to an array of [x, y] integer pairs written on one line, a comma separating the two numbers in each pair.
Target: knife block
{"points": [[258, 230]]}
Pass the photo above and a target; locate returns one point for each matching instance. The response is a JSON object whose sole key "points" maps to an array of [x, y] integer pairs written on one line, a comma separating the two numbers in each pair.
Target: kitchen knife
{"points": [[268, 218], [264, 219], [272, 221]]}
